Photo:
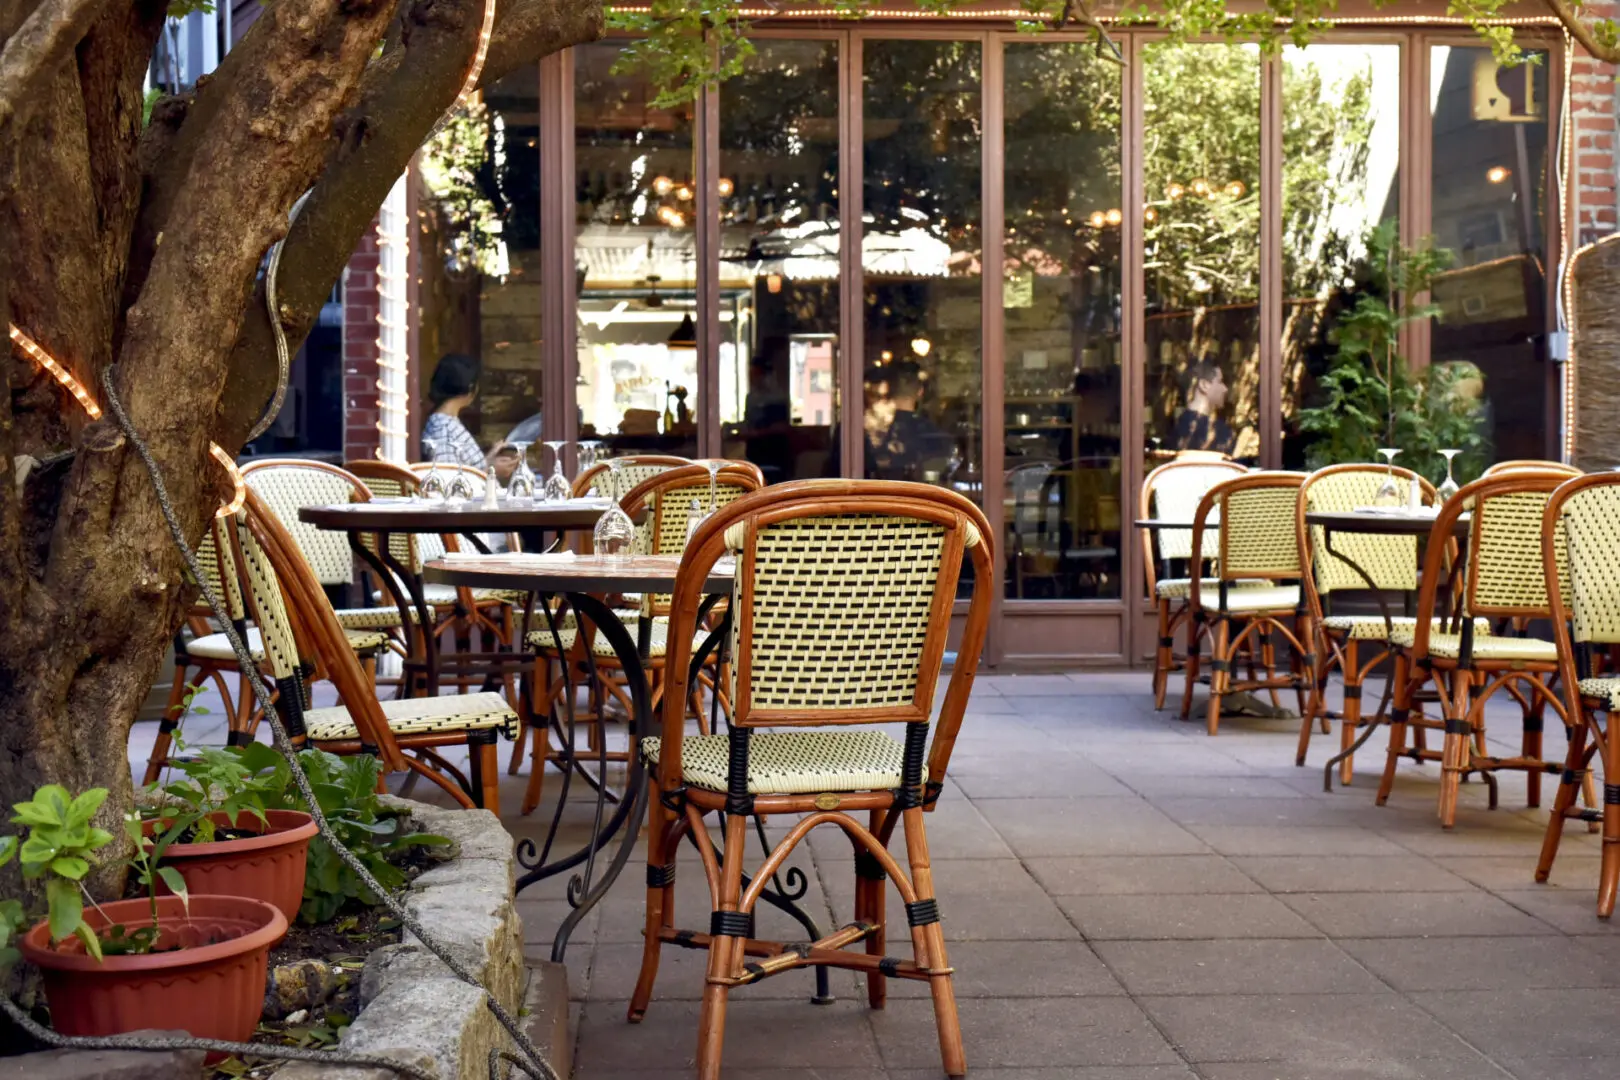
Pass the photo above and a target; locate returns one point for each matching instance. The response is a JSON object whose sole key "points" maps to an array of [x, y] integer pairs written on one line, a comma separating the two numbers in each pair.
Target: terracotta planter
{"points": [[269, 866], [212, 987]]}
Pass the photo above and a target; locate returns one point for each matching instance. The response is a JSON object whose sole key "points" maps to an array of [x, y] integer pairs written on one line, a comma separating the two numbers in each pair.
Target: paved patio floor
{"points": [[1128, 899]]}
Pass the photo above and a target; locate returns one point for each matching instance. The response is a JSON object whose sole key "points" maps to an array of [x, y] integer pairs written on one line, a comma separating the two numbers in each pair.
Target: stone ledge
{"points": [[106, 1064], [411, 1006]]}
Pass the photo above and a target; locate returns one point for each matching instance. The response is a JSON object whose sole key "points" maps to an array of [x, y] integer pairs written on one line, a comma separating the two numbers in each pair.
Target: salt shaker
{"points": [[492, 491], [1414, 500]]}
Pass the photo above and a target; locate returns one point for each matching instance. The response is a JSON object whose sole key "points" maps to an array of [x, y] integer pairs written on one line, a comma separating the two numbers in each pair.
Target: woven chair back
{"points": [[298, 626], [219, 574], [634, 469], [1258, 526], [1172, 492], [1591, 516], [1391, 561], [386, 480], [1504, 573], [667, 498], [1502, 467], [286, 486]]}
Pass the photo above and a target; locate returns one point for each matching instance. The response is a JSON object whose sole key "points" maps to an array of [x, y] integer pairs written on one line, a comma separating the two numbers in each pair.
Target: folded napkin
{"points": [[1399, 511], [516, 559]]}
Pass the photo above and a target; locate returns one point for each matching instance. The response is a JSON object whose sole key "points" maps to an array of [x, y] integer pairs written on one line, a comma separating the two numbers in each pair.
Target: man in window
{"points": [[1199, 425]]}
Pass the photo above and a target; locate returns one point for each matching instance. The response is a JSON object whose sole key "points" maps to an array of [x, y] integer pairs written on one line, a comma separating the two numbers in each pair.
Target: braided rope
{"points": [[532, 1063]]}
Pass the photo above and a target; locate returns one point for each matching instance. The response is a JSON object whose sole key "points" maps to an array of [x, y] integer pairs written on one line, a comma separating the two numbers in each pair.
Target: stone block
{"points": [[107, 1064]]}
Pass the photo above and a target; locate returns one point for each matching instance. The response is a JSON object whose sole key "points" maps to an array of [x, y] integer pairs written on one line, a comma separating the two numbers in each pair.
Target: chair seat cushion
{"points": [[1372, 627], [1253, 598], [415, 716], [542, 639], [368, 618], [793, 762], [1449, 647], [1606, 687], [1181, 588], [218, 646], [445, 595]]}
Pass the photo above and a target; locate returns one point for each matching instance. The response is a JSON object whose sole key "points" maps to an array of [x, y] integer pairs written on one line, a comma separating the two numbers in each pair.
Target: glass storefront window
{"points": [[1200, 169], [1341, 158], [635, 260], [922, 382], [1489, 156], [779, 283], [479, 254], [1061, 299]]}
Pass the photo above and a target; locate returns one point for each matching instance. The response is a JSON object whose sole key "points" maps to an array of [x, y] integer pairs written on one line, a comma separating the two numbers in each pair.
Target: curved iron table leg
{"points": [[392, 574], [1371, 722]]}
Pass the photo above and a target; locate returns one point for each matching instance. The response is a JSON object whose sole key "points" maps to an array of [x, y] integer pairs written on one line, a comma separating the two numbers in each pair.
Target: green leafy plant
{"points": [[1370, 397], [237, 780], [346, 788]]}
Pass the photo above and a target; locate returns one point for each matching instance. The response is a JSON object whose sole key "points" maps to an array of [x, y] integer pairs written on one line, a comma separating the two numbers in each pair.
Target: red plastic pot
{"points": [[269, 866], [212, 986]]}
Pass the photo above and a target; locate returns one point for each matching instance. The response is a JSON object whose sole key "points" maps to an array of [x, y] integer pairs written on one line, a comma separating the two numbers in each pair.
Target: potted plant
{"points": [[221, 830], [194, 962]]}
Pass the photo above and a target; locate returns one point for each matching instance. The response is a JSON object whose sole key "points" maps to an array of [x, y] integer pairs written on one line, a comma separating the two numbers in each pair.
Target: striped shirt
{"points": [[455, 441]]}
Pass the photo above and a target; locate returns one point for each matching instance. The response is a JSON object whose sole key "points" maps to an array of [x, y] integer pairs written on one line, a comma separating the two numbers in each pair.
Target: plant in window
{"points": [[458, 169]]}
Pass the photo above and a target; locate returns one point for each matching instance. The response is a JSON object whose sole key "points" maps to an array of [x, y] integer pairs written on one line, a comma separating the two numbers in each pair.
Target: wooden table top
{"points": [[581, 574], [415, 516], [1391, 524]]}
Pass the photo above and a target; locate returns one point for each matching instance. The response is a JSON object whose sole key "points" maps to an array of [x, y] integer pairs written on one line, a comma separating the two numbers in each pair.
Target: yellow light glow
{"points": [[725, 186], [60, 373], [773, 283], [238, 488], [1151, 214], [662, 184], [1174, 190], [683, 193], [920, 345], [1496, 174], [1114, 217], [1236, 189], [1098, 219], [1200, 187]]}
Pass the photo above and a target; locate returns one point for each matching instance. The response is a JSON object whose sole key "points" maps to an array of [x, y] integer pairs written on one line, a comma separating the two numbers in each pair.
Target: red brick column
{"points": [[1592, 115], [360, 350]]}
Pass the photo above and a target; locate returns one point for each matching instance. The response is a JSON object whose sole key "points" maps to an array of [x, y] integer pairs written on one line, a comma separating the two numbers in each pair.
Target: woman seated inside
{"points": [[452, 389]]}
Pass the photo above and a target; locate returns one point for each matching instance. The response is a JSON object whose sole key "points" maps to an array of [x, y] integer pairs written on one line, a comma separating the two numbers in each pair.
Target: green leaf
{"points": [[92, 944], [8, 849], [177, 885], [83, 808], [48, 807], [70, 866], [66, 907]]}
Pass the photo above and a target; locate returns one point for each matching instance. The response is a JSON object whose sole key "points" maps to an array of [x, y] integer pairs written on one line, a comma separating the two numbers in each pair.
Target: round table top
{"points": [[1152, 524], [580, 574], [413, 516], [1381, 524]]}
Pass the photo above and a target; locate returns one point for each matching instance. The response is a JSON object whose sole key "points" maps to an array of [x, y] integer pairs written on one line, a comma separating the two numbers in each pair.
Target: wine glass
{"points": [[520, 489], [1448, 486], [1389, 493], [432, 488], [615, 534], [558, 489], [460, 489], [696, 516], [589, 451]]}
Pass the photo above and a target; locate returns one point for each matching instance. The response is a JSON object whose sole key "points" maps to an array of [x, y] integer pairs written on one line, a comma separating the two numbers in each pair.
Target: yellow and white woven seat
{"points": [[542, 639], [445, 595], [1254, 598], [1449, 647], [793, 762], [1181, 588], [218, 647], [368, 618], [1606, 687], [1373, 628], [414, 716]]}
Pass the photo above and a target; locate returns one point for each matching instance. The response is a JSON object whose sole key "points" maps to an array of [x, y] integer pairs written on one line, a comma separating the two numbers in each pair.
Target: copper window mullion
{"points": [[1271, 270], [1417, 212], [706, 238], [559, 358], [992, 341], [1133, 339], [852, 288]]}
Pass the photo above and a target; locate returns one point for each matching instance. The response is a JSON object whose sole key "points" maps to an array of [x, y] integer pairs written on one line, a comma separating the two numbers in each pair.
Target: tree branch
{"points": [[402, 96], [1582, 32], [33, 54]]}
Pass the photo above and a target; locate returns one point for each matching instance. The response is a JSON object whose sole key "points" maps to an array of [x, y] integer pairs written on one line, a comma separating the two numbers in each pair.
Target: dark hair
{"points": [[456, 374], [1199, 371]]}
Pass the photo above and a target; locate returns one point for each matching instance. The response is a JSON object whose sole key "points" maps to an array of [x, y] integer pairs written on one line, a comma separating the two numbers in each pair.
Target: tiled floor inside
{"points": [[1129, 899]]}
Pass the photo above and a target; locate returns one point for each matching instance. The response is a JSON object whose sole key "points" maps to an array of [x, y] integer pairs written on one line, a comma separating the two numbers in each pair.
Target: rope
{"points": [[532, 1061]]}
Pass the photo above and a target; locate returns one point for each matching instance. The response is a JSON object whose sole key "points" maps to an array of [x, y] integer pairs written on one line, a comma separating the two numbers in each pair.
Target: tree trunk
{"points": [[1597, 356]]}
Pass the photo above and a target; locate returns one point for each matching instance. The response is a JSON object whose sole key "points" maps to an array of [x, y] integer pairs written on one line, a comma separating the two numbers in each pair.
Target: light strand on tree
{"points": [[393, 317], [479, 54], [31, 349], [1569, 192], [820, 13], [57, 371]]}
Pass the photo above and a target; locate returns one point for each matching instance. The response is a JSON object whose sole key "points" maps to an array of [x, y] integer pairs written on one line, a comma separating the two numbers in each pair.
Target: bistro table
{"points": [[1375, 522], [383, 517], [583, 582]]}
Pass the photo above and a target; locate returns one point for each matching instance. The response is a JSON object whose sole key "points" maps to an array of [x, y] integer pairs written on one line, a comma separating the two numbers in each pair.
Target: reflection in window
{"points": [[1341, 145], [779, 282], [634, 254], [480, 289], [1489, 201], [920, 256], [1061, 299], [1201, 164]]}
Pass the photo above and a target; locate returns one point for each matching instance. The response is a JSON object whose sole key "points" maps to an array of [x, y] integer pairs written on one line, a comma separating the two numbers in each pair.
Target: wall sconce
{"points": [[773, 283]]}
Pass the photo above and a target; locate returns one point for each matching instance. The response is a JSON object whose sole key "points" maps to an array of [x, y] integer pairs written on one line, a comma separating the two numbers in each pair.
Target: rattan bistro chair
{"points": [[1391, 562], [633, 470], [1257, 540], [841, 609], [1529, 466], [1586, 623], [1502, 579], [301, 634], [1171, 492]]}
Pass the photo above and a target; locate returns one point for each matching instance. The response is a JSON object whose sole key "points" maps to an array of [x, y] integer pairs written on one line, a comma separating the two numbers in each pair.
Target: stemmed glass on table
{"points": [[432, 488], [1389, 493], [460, 489], [694, 520], [615, 535], [589, 451], [1448, 486], [558, 489], [520, 489]]}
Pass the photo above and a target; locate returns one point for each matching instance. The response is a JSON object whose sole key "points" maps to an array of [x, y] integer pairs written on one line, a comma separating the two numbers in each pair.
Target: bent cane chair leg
{"points": [[928, 940], [1609, 869], [1220, 664], [1164, 655], [1460, 731], [1400, 706], [725, 954], [660, 903], [1576, 759]]}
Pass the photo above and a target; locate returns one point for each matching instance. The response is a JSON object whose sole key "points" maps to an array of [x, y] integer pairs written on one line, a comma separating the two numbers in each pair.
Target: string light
{"points": [[62, 375], [818, 12], [480, 54], [393, 356]]}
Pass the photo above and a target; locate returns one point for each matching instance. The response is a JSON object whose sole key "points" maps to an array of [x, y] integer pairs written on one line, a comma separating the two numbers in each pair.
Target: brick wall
{"points": [[1592, 111], [360, 350]]}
